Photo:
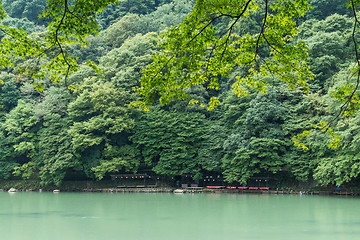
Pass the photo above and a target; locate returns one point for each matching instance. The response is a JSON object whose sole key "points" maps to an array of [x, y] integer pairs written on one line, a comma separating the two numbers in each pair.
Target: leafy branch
{"points": [[186, 61]]}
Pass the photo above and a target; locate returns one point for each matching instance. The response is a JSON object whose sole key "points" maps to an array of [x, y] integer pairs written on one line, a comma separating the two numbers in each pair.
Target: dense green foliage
{"points": [[92, 129]]}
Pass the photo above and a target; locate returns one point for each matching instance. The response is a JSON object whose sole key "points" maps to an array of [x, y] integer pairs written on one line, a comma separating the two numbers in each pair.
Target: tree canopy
{"points": [[228, 85]]}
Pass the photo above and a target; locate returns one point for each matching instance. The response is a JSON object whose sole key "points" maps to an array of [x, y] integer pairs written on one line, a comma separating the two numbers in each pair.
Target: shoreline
{"points": [[189, 191], [112, 187]]}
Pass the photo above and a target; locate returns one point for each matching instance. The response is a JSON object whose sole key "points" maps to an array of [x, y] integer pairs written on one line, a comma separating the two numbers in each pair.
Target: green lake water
{"points": [[102, 216]]}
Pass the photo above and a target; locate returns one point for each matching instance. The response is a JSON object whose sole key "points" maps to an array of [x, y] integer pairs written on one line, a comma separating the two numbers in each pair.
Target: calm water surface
{"points": [[101, 216]]}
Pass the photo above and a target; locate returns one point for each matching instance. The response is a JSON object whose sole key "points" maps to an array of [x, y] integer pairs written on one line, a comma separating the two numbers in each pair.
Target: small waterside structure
{"points": [[135, 180]]}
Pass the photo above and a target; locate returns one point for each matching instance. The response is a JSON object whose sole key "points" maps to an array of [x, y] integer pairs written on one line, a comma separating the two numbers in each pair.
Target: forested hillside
{"points": [[89, 126]]}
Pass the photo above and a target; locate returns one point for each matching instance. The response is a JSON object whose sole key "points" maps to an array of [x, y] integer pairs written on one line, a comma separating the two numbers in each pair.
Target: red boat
{"points": [[242, 188], [253, 188], [231, 187], [214, 187]]}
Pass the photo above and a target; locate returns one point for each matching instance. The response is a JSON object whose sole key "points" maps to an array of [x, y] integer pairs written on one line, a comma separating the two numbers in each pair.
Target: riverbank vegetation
{"points": [[87, 125]]}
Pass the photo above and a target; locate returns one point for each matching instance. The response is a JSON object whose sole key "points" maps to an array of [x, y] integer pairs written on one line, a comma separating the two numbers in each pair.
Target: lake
{"points": [[154, 216]]}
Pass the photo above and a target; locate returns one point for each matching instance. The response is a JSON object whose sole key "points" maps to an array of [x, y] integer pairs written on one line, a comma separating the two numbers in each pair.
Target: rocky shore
{"points": [[108, 187], [187, 191]]}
